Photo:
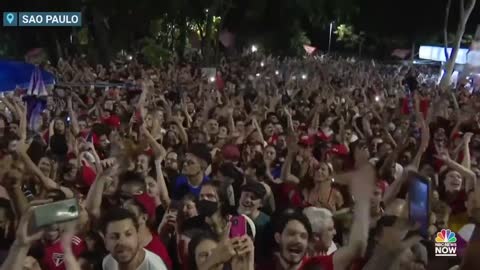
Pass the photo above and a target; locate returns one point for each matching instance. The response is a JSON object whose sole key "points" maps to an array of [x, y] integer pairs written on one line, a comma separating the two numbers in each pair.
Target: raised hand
{"points": [[23, 237], [468, 137], [244, 258], [67, 235], [169, 223], [394, 237]]}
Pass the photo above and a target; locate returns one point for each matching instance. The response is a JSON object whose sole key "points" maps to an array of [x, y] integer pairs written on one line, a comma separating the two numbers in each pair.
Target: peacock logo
{"points": [[446, 236], [445, 243]]}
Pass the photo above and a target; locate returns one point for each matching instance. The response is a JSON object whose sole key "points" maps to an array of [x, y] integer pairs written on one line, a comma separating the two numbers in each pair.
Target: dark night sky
{"points": [[410, 19]]}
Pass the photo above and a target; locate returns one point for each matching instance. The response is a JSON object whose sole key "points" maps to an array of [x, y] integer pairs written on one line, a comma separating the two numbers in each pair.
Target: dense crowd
{"points": [[266, 163]]}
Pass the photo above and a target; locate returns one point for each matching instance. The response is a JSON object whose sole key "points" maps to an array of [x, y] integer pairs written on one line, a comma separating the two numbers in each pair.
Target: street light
{"points": [[254, 48]]}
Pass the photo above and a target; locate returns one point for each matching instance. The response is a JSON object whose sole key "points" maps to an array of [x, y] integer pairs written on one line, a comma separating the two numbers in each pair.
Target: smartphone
{"points": [[238, 227], [419, 193], [56, 212], [89, 137]]}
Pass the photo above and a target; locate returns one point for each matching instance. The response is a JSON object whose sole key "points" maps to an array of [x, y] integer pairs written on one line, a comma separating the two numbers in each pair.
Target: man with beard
{"points": [[142, 206], [120, 228], [292, 234]]}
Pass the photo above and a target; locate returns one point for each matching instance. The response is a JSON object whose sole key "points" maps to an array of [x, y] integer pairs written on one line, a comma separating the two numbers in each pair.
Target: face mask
{"points": [[207, 208]]}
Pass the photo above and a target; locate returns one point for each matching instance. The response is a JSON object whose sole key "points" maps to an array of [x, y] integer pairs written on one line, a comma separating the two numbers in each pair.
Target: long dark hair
{"points": [[196, 240]]}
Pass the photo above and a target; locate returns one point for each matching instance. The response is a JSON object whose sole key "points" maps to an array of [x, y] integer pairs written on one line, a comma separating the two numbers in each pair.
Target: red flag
{"points": [[227, 39], [401, 53], [309, 49]]}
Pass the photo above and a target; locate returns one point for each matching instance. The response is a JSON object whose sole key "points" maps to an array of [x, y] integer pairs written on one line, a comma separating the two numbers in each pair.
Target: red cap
{"points": [[338, 149], [113, 121], [306, 140], [323, 137], [148, 203], [231, 152], [88, 175]]}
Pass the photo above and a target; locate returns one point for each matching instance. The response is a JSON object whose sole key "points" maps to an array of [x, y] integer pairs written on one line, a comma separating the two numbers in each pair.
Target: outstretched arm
{"points": [[47, 182], [70, 261], [95, 194], [470, 176], [361, 185], [73, 117], [19, 250]]}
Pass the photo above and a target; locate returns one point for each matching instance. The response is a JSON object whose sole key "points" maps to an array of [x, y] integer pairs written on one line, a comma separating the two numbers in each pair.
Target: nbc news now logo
{"points": [[446, 244]]}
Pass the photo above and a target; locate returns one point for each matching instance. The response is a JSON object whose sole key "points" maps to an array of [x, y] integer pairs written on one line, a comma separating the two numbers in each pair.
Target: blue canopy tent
{"points": [[14, 75]]}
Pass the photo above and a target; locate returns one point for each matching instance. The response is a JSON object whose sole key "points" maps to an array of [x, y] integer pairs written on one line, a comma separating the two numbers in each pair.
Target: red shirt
{"points": [[113, 121], [287, 194], [325, 261], [156, 246], [88, 175], [53, 253]]}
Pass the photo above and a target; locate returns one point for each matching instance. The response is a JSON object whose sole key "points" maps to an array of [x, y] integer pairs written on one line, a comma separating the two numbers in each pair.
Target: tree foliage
{"points": [[281, 26]]}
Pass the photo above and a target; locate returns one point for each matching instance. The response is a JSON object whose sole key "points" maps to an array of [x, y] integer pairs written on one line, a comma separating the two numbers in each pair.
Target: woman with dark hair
{"points": [[453, 190], [213, 207], [214, 217], [200, 248], [57, 139]]}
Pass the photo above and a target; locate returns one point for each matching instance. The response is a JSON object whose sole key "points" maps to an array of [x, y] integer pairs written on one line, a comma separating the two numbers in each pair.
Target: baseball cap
{"points": [[201, 151], [306, 140], [338, 149], [147, 202], [231, 152], [255, 188]]}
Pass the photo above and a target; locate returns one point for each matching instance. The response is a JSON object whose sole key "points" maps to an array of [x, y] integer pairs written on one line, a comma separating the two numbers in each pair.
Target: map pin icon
{"points": [[10, 18]]}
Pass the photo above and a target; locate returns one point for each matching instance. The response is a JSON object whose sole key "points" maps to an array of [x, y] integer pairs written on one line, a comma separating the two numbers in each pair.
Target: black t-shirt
{"points": [[59, 146]]}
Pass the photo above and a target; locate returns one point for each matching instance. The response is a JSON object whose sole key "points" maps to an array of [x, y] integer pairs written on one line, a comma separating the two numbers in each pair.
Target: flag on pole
{"points": [[309, 49], [35, 99]]}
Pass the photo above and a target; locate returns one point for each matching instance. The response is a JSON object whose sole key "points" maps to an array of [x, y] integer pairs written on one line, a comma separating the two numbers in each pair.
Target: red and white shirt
{"points": [[53, 253]]}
